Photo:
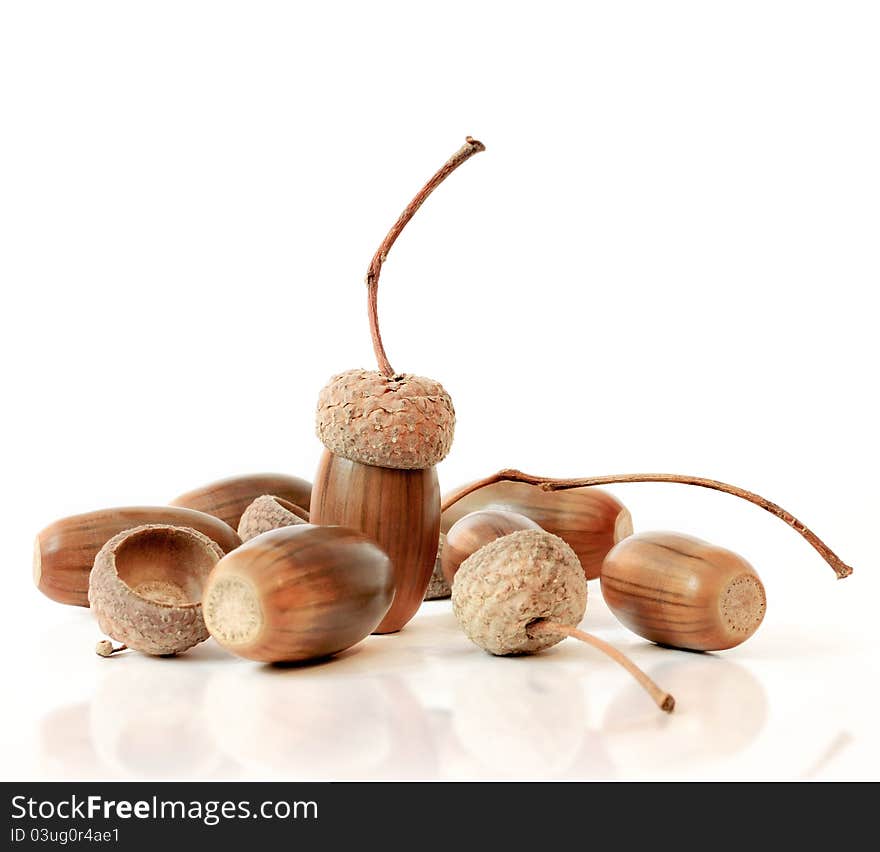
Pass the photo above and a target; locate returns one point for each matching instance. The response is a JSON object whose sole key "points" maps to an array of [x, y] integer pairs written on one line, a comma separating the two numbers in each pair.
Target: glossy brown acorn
{"points": [[298, 593], [65, 551], [468, 534], [589, 520], [398, 509], [384, 432], [683, 592], [228, 498]]}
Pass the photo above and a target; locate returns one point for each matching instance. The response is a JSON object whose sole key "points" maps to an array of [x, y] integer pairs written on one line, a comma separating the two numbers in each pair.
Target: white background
{"points": [[667, 259]]}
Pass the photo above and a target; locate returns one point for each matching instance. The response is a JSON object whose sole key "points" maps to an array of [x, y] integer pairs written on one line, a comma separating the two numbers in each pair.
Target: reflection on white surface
{"points": [[302, 723], [514, 720], [720, 710], [426, 703], [145, 721], [66, 747]]}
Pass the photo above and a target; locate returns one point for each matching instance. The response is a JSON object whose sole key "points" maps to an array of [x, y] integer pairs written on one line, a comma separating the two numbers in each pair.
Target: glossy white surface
{"points": [[427, 704]]}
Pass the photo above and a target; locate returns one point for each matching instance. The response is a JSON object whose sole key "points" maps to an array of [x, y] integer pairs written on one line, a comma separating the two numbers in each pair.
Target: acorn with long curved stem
{"points": [[591, 521], [841, 569], [383, 433], [525, 592]]}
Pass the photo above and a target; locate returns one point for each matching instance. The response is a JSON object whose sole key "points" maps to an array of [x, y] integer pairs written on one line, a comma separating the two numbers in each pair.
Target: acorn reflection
{"points": [[66, 747], [517, 718], [303, 724], [146, 720], [720, 709]]}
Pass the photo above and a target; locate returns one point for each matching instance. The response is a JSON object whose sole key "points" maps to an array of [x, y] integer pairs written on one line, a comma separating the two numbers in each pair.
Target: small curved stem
{"points": [[470, 147], [840, 567], [660, 697], [106, 649]]}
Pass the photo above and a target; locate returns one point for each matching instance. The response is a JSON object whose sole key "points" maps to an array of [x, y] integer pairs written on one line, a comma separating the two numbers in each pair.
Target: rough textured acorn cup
{"points": [[438, 588], [269, 513], [680, 591], [475, 530], [65, 551], [298, 593], [146, 587], [589, 520], [514, 581], [228, 498]]}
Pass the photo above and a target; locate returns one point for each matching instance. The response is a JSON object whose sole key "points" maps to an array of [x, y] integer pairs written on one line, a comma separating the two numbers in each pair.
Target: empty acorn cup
{"points": [[146, 587]]}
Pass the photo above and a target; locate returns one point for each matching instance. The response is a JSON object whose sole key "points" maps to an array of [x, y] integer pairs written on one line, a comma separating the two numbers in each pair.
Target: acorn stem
{"points": [[661, 698], [470, 147], [547, 484]]}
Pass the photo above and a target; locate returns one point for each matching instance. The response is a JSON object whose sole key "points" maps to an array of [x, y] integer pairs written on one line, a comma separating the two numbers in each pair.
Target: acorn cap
{"points": [[404, 422], [516, 580], [146, 586], [268, 513], [438, 588]]}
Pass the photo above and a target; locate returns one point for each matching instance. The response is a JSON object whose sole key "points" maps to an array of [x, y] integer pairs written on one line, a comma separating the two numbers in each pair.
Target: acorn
{"points": [[146, 587], [680, 591], [589, 520], [65, 551], [384, 432], [228, 498], [525, 592], [298, 593]]}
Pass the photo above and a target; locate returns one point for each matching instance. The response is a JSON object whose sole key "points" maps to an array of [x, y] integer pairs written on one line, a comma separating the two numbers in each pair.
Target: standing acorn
{"points": [[384, 432]]}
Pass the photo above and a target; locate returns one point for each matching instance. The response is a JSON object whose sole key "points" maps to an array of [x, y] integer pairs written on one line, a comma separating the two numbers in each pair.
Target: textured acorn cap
{"points": [[146, 586], [405, 422], [268, 513], [513, 581], [437, 586]]}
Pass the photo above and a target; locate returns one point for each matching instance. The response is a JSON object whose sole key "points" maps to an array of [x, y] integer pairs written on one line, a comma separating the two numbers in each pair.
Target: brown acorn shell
{"points": [[398, 509], [589, 519], [298, 593], [683, 592], [65, 551], [228, 498]]}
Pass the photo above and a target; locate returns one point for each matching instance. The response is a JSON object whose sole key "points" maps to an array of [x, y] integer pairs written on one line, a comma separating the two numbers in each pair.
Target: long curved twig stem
{"points": [[470, 147], [660, 697], [547, 484]]}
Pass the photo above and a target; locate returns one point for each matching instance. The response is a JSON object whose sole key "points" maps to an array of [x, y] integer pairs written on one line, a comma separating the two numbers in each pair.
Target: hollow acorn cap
{"points": [[405, 422], [154, 616], [513, 581]]}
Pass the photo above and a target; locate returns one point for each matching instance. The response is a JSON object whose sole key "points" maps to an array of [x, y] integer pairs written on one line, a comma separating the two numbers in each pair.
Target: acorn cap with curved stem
{"points": [[405, 422], [514, 581]]}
